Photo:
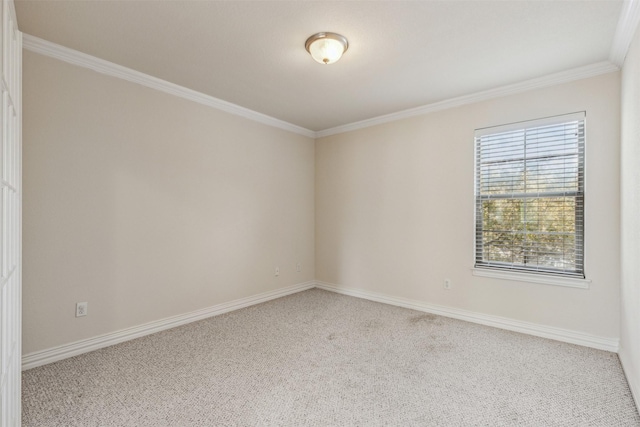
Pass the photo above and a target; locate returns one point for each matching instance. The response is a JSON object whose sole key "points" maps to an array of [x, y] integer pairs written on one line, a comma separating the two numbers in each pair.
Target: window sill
{"points": [[521, 276]]}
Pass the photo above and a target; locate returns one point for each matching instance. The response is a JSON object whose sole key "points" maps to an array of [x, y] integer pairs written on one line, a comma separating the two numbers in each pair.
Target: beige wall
{"points": [[147, 205], [395, 209], [630, 225]]}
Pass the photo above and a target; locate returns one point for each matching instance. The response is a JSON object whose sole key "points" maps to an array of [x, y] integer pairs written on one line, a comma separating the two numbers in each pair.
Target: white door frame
{"points": [[10, 218]]}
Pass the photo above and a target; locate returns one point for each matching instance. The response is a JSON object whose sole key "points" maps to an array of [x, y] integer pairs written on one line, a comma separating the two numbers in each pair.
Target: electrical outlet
{"points": [[298, 267], [81, 309], [277, 271], [447, 283]]}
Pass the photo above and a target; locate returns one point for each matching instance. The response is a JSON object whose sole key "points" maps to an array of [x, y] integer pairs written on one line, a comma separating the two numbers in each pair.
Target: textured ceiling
{"points": [[402, 54]]}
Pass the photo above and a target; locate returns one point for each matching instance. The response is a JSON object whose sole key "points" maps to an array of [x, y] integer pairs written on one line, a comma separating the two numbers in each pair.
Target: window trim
{"points": [[560, 278], [530, 277]]}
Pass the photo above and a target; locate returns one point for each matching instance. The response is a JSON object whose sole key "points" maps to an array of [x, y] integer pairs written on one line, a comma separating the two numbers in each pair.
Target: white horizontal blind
{"points": [[530, 196]]}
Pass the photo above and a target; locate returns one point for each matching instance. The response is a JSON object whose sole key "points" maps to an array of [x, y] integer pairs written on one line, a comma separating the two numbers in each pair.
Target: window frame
{"points": [[521, 272]]}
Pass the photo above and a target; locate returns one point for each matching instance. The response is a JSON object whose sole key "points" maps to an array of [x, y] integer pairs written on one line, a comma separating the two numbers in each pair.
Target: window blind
{"points": [[529, 190]]}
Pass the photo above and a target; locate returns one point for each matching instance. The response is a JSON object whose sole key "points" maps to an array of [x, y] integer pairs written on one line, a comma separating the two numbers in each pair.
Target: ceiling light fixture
{"points": [[326, 48]]}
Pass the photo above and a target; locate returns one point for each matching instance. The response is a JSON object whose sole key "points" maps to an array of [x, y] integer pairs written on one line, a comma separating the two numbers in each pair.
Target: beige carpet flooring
{"points": [[317, 358]]}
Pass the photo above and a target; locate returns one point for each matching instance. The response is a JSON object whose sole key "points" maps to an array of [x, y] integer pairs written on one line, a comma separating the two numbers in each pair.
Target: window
{"points": [[529, 190]]}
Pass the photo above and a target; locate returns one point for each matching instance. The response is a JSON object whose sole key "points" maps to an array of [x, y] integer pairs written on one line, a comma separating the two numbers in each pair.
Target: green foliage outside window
{"points": [[538, 232]]}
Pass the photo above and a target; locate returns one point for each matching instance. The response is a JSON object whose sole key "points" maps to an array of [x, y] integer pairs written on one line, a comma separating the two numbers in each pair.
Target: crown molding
{"points": [[80, 59], [627, 25], [537, 83]]}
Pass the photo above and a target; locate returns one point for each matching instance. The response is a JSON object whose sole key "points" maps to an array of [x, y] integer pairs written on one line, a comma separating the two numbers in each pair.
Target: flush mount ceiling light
{"points": [[326, 48]]}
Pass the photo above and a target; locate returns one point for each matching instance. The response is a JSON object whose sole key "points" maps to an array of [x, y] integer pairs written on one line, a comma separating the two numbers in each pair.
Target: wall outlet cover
{"points": [[81, 309]]}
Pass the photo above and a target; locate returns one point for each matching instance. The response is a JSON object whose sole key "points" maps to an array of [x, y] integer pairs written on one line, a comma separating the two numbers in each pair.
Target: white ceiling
{"points": [[402, 54]]}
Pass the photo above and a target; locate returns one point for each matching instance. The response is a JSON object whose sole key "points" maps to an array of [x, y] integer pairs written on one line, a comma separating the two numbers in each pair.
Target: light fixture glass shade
{"points": [[326, 48]]}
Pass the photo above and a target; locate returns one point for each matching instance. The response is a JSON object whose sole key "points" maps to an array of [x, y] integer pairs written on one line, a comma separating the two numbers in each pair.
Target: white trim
{"points": [[632, 379], [558, 334], [527, 124], [80, 59], [522, 276], [537, 83], [64, 351], [627, 25]]}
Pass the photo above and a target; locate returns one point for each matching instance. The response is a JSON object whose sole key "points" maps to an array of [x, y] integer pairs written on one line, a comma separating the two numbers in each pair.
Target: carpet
{"points": [[317, 358]]}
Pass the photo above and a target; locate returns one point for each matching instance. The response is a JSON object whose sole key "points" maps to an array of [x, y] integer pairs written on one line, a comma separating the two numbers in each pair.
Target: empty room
{"points": [[320, 213]]}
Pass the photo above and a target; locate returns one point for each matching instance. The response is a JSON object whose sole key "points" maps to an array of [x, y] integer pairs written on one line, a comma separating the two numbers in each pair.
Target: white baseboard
{"points": [[633, 377], [558, 334], [54, 354]]}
